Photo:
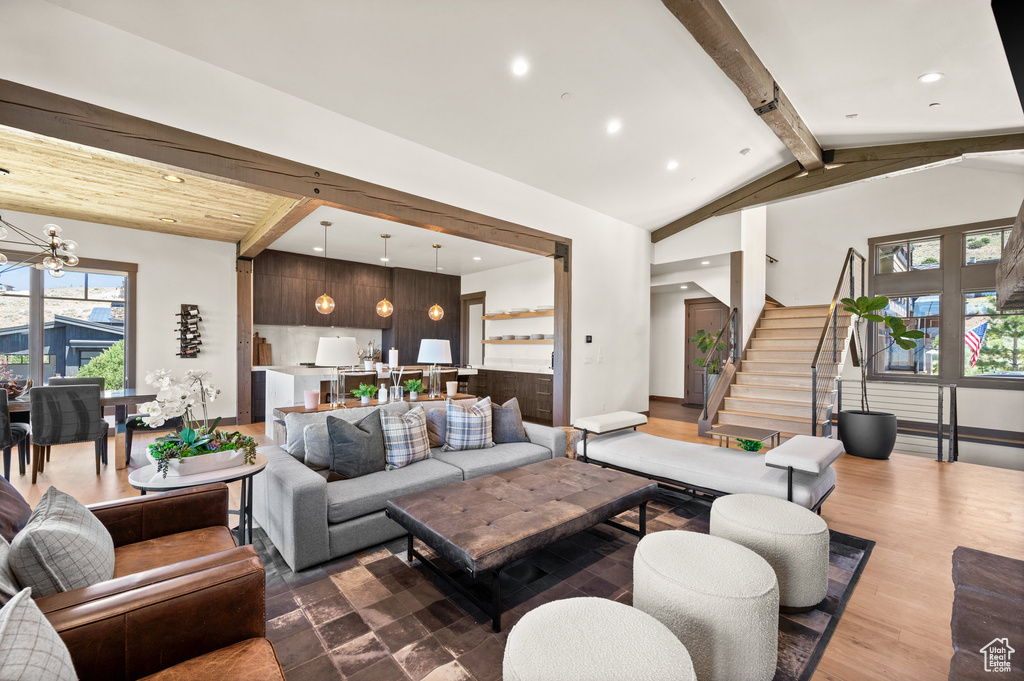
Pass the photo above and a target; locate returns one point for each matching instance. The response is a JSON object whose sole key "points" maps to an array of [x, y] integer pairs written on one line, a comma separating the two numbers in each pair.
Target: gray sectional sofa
{"points": [[311, 520]]}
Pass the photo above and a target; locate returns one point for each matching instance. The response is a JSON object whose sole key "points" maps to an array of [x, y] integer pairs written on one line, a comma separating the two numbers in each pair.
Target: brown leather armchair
{"points": [[184, 601]]}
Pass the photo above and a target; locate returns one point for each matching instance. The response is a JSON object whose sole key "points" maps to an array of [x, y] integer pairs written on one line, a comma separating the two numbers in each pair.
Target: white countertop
{"points": [[519, 369], [329, 371]]}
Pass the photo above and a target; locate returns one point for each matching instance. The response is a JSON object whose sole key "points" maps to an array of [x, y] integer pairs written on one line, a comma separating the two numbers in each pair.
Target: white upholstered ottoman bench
{"points": [[719, 598], [792, 539], [593, 639]]}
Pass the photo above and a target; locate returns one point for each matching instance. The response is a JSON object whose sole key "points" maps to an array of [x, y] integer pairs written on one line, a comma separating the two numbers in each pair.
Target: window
{"points": [[993, 340], [917, 312], [81, 331], [937, 282], [983, 248], [909, 256]]}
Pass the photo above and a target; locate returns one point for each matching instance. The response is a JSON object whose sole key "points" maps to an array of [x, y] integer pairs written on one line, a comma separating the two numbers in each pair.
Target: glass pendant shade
{"points": [[435, 313], [51, 230], [385, 308], [57, 273], [3, 259], [325, 304], [51, 263], [69, 246], [3, 232]]}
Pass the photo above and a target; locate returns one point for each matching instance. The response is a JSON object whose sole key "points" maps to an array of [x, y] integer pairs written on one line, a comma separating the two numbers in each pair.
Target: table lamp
{"points": [[434, 352], [337, 352]]}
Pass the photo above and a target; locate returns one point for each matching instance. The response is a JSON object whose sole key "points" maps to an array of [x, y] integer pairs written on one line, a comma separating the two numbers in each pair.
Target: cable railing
{"points": [[722, 350], [926, 413], [827, 361]]}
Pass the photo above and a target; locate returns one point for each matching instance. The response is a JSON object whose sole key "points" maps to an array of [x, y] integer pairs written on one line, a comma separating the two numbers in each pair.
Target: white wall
{"points": [[810, 235], [172, 270], [291, 345], [528, 285], [713, 236], [59, 51], [753, 227], [668, 342]]}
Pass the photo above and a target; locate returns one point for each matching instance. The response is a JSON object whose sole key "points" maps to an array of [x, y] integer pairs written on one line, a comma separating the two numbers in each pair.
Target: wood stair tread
{"points": [[788, 403], [769, 417]]}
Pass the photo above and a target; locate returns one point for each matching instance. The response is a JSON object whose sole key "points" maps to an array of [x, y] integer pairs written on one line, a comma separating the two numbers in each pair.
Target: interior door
{"points": [[708, 314]]}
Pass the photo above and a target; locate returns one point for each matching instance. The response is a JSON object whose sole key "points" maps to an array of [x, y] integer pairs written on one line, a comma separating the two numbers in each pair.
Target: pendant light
{"points": [[384, 307], [435, 312], [325, 304]]}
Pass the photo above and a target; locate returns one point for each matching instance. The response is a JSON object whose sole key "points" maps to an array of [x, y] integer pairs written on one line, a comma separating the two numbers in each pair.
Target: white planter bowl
{"points": [[204, 463]]}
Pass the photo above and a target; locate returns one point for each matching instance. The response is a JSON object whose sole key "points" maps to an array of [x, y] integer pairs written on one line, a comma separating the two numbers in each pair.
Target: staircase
{"points": [[772, 388]]}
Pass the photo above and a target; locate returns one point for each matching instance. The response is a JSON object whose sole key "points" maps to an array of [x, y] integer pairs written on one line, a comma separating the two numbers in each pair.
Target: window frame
{"points": [[951, 280], [37, 297]]}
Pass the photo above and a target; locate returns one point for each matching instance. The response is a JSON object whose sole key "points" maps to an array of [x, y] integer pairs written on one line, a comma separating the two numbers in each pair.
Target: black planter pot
{"points": [[868, 434]]}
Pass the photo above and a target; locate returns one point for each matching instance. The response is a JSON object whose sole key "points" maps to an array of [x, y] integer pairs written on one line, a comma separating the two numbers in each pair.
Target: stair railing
{"points": [[826, 364], [721, 351]]}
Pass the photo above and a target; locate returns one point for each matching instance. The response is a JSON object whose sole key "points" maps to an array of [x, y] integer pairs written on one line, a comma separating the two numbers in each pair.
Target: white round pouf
{"points": [[719, 598], [793, 539], [593, 639]]}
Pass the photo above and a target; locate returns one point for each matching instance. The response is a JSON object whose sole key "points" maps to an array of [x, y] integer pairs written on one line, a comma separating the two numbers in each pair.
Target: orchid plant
{"points": [[187, 398]]}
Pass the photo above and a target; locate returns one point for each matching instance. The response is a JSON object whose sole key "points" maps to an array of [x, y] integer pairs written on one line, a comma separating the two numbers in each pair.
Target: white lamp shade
{"points": [[433, 351], [337, 352]]}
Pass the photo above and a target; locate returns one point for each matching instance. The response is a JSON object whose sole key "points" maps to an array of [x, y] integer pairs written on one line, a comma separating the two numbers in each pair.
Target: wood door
{"points": [[708, 314]]}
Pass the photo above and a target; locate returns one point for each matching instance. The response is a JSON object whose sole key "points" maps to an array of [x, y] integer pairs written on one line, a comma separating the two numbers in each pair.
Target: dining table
{"points": [[120, 400]]}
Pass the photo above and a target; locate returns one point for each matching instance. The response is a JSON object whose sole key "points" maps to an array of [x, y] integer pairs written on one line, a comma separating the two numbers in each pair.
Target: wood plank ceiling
{"points": [[65, 180]]}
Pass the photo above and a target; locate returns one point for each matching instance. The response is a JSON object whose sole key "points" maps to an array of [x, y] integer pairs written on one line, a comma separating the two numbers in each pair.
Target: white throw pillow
{"points": [[9, 586], [30, 648], [62, 547]]}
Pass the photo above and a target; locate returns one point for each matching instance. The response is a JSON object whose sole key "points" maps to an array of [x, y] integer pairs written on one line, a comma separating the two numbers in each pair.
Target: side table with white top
{"points": [[148, 479]]}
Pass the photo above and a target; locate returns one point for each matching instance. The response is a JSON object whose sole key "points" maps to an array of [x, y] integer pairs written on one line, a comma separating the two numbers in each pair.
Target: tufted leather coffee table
{"points": [[484, 524]]}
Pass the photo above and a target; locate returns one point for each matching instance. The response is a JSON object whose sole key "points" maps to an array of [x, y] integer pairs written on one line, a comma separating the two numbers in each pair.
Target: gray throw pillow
{"points": [[356, 448], [437, 426], [9, 586], [507, 422], [62, 547], [30, 648], [317, 446]]}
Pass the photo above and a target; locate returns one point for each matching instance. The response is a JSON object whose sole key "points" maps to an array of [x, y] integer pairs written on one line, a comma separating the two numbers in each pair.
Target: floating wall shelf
{"points": [[538, 341], [520, 315]]}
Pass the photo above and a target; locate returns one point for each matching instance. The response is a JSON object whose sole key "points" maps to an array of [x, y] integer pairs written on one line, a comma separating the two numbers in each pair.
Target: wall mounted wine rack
{"points": [[190, 338]]}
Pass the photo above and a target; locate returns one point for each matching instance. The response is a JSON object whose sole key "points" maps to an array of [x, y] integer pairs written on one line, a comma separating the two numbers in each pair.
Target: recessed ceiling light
{"points": [[477, 257], [385, 259], [4, 171], [682, 287], [705, 262], [613, 126], [852, 115], [235, 215], [173, 178], [566, 96], [935, 104], [931, 77], [318, 249], [672, 165], [520, 66], [744, 151], [440, 268], [167, 220]]}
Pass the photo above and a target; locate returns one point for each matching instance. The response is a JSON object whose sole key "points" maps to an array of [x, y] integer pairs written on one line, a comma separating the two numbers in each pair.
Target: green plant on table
{"points": [[365, 390], [180, 397], [414, 385], [750, 445]]}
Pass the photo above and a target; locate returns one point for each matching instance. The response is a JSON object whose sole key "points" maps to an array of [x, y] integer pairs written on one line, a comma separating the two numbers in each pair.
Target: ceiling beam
{"points": [[844, 166], [52, 115], [284, 214], [714, 30]]}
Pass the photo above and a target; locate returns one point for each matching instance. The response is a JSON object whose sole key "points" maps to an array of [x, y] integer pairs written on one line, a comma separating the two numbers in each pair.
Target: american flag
{"points": [[974, 338]]}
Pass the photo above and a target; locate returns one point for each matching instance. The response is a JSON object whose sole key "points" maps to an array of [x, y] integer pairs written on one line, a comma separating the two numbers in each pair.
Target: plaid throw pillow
{"points": [[30, 647], [468, 427], [405, 437]]}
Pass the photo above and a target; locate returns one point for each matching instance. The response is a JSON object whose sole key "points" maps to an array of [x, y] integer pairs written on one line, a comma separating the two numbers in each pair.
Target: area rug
{"points": [[988, 616], [373, 616]]}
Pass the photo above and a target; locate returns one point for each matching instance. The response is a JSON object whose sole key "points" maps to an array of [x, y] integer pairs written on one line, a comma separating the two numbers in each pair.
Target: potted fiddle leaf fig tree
{"points": [[866, 433]]}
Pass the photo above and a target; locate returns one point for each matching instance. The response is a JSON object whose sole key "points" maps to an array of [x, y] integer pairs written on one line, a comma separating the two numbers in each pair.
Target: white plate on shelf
{"points": [[517, 310], [549, 336], [522, 338], [494, 338], [536, 336], [508, 337], [543, 308]]}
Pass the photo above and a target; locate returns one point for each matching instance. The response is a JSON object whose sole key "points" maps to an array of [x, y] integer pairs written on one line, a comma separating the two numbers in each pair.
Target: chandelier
{"points": [[325, 304], [54, 253], [436, 312], [385, 307]]}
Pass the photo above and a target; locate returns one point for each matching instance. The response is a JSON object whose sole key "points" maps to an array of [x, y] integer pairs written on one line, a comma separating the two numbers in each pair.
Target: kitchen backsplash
{"points": [[293, 345]]}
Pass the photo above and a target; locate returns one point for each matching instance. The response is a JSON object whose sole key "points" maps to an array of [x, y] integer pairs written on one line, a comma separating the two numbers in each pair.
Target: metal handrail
{"points": [[731, 345], [847, 275]]}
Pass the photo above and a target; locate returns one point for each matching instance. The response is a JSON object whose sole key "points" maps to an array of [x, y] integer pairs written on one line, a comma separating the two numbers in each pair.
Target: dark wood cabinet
{"points": [[285, 286], [259, 396], [414, 292], [534, 391]]}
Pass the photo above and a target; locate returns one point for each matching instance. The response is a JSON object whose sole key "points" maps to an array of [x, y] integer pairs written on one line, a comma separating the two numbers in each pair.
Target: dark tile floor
{"points": [[373, 616]]}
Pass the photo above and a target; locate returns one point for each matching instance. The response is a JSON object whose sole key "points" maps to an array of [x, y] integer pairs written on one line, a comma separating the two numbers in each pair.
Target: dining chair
{"points": [[12, 434], [76, 380], [65, 414]]}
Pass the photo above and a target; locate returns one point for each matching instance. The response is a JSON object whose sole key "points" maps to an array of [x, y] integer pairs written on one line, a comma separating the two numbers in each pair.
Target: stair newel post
{"points": [[814, 401], [938, 425], [835, 334]]}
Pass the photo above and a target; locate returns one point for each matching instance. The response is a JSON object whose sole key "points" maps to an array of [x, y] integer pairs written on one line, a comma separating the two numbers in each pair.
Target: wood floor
{"points": [[896, 625]]}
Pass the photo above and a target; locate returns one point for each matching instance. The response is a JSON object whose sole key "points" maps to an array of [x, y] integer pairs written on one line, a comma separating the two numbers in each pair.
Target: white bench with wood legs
{"points": [[799, 470]]}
